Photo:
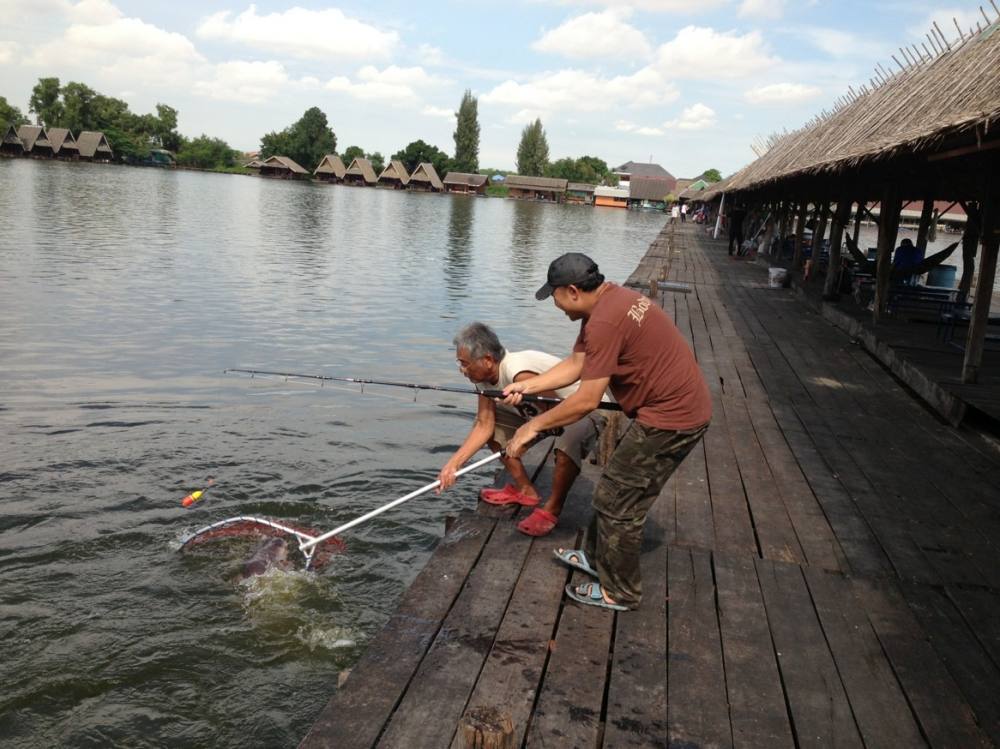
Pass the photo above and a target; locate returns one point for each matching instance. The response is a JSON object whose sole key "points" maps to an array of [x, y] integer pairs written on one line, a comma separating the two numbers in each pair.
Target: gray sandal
{"points": [[580, 563]]}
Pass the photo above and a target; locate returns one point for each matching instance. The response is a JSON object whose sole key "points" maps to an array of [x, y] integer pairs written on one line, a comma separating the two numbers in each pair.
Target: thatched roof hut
{"points": [[330, 169], [282, 167], [394, 175], [463, 182], [360, 172], [35, 140], [11, 144], [94, 146], [580, 192], [536, 188], [649, 188], [63, 143], [425, 177]]}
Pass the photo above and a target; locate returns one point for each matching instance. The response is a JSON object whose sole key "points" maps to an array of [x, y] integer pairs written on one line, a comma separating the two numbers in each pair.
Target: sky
{"points": [[688, 84]]}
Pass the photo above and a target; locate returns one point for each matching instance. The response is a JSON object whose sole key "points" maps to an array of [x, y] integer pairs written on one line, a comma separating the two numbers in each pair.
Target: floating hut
{"points": [[465, 183], [93, 146], [35, 140], [360, 173], [925, 131], [63, 143], [611, 197], [11, 144], [633, 169], [649, 193], [548, 189], [394, 175], [425, 178], [282, 167], [330, 169], [580, 192]]}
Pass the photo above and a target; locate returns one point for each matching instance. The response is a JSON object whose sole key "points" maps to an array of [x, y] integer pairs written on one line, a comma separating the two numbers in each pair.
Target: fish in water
{"points": [[273, 552]]}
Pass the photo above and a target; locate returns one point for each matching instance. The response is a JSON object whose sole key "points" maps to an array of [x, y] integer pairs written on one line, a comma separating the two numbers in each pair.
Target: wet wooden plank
{"points": [[356, 714], [756, 700], [819, 707], [698, 712], [981, 609], [693, 505], [733, 528]]}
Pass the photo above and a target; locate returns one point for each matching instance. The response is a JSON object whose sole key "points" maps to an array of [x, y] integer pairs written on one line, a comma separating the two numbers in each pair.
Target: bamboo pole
{"points": [[888, 227], [984, 287], [970, 245]]}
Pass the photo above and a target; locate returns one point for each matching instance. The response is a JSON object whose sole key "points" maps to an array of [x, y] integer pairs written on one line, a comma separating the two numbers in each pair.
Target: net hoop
{"points": [[309, 551]]}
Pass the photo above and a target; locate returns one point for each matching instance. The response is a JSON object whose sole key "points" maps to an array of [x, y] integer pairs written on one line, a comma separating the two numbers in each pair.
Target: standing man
{"points": [[628, 342], [736, 219], [483, 360], [684, 213]]}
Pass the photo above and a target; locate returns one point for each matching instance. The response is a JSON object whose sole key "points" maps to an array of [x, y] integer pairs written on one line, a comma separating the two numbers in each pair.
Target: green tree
{"points": [[45, 103], [306, 141], [351, 153], [533, 151], [80, 109], [10, 115], [418, 152], [467, 135], [166, 128], [377, 160], [711, 175], [204, 152]]}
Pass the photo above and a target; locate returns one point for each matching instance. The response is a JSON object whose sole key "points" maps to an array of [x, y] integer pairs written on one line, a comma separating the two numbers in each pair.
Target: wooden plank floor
{"points": [[821, 571]]}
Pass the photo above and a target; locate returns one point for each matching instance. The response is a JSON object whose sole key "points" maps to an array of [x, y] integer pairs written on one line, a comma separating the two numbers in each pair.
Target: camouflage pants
{"points": [[640, 466]]}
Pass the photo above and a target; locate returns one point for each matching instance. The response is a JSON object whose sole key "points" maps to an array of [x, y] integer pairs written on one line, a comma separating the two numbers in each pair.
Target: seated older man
{"points": [[483, 360]]}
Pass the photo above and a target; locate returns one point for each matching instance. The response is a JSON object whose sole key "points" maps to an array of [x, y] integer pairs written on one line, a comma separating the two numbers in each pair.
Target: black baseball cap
{"points": [[571, 269]]}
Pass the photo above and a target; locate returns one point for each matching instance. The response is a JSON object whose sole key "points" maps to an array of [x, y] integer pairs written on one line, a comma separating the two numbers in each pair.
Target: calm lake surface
{"points": [[125, 293]]}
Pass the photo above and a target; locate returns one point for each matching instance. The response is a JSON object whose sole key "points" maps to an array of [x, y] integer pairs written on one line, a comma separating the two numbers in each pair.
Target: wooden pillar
{"points": [[888, 227], [970, 244], [768, 229], [800, 228], [786, 207], [857, 221], [840, 218], [924, 228], [984, 287]]}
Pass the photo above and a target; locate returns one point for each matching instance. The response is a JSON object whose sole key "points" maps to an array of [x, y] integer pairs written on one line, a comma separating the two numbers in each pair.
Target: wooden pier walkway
{"points": [[821, 571]]}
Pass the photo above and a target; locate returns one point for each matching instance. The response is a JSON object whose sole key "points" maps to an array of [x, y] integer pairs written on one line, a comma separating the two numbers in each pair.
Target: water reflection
{"points": [[459, 256], [525, 241]]}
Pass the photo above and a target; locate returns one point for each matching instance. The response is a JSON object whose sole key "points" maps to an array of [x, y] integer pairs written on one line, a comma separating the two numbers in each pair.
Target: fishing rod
{"points": [[489, 393]]}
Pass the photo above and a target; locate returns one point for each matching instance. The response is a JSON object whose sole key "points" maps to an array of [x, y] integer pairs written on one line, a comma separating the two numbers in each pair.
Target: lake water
{"points": [[125, 293]]}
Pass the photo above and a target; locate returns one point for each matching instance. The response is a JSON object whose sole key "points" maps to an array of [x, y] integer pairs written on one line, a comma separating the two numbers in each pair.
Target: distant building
{"points": [[425, 178], [94, 146], [611, 197], [11, 144], [282, 167], [35, 140], [394, 175], [462, 182], [63, 143], [360, 173], [649, 192], [632, 169], [549, 189], [580, 192], [330, 169]]}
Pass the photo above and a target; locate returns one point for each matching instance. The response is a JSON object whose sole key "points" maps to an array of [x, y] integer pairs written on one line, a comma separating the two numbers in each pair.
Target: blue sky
{"points": [[689, 84]]}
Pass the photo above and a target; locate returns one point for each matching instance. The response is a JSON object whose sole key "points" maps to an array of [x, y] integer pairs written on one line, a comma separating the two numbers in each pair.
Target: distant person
{"points": [[906, 260], [675, 212], [627, 343], [684, 213], [484, 361], [735, 225]]}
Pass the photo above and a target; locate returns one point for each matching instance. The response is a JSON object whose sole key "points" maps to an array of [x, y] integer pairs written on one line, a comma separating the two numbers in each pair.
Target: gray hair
{"points": [[479, 340]]}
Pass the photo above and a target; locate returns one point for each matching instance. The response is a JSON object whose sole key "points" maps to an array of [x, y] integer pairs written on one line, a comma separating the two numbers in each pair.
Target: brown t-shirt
{"points": [[654, 375]]}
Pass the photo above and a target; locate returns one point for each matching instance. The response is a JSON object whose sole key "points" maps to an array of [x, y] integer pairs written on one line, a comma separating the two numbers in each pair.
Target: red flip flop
{"points": [[509, 495], [539, 523]]}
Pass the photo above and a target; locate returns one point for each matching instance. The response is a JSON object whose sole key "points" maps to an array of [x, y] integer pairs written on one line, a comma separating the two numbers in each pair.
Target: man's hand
{"points": [[513, 393], [521, 440], [447, 477]]}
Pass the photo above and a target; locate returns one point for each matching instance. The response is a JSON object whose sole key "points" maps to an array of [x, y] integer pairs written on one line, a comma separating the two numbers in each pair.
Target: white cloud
{"points": [[573, 90], [966, 19], [781, 93], [762, 8], [593, 35], [655, 6], [696, 117], [8, 52], [430, 55], [94, 12], [699, 52], [625, 126], [443, 112], [247, 82], [392, 84], [298, 32]]}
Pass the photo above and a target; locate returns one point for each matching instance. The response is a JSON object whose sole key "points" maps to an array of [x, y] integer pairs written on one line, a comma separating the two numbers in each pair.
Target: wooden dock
{"points": [[821, 571]]}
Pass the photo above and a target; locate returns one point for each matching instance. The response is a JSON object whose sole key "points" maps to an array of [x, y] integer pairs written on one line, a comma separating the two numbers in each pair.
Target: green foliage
{"points": [[418, 152], [712, 175], [204, 152], [45, 103], [306, 141], [533, 151], [466, 135], [351, 153], [497, 190], [589, 169], [126, 146], [10, 115], [377, 160]]}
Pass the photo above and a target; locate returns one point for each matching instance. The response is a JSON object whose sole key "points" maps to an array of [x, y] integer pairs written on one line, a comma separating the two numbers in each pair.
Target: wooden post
{"points": [[823, 218], [925, 222], [984, 287], [970, 244], [840, 218], [800, 228], [888, 227], [487, 728], [783, 226], [857, 221]]}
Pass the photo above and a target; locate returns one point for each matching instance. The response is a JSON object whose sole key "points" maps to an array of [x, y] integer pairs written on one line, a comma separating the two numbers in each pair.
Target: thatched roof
{"points": [[916, 110], [603, 191], [463, 178], [425, 172], [331, 164], [580, 187], [282, 162], [253, 164], [395, 170], [517, 182], [11, 137], [694, 189], [32, 135], [61, 139], [642, 169], [649, 188], [714, 191], [362, 168], [91, 143]]}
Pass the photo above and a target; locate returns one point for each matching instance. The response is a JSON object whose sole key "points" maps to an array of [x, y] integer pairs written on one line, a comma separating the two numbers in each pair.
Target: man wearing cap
{"points": [[628, 343]]}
